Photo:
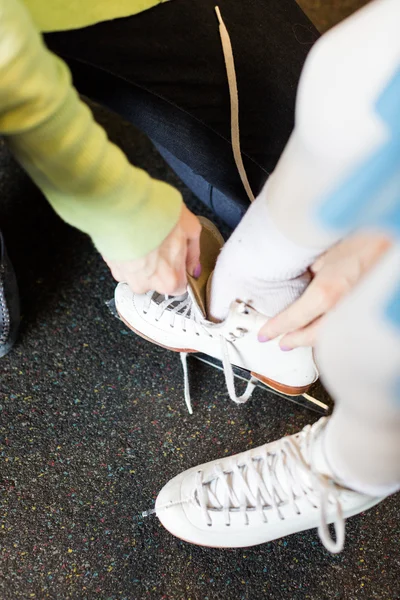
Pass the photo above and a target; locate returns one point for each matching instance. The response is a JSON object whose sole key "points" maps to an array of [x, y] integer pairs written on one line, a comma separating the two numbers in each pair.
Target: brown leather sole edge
{"points": [[152, 341], [288, 390], [274, 385]]}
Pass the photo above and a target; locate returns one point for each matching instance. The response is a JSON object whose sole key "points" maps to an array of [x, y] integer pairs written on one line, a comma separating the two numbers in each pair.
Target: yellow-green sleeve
{"points": [[85, 177]]}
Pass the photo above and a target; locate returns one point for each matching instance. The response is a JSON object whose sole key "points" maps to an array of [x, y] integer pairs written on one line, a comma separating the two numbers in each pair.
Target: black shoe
{"points": [[9, 302]]}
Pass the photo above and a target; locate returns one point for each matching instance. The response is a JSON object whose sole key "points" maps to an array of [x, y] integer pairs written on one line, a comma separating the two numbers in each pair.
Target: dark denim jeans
{"points": [[164, 71]]}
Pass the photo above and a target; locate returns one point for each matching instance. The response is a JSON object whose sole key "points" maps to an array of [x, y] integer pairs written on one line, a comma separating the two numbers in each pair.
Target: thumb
{"points": [[193, 265]]}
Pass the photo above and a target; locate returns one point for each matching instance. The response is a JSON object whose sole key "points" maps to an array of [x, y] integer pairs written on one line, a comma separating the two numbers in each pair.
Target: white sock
{"points": [[260, 265]]}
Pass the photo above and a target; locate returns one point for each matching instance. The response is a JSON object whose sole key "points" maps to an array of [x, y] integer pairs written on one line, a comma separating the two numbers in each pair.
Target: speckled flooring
{"points": [[93, 423]]}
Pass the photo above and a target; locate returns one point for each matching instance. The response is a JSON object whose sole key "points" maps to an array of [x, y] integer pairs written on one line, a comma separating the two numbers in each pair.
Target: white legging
{"points": [[337, 123], [337, 127], [359, 356]]}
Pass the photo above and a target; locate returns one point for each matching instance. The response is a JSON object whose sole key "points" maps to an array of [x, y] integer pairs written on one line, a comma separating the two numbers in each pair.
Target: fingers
{"points": [[311, 305], [335, 273], [165, 280], [170, 275], [137, 285], [169, 281], [317, 266], [193, 265], [192, 230], [302, 337], [164, 270]]}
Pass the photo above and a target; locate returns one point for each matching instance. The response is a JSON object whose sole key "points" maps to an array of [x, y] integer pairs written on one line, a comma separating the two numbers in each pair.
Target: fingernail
{"points": [[197, 271], [286, 349], [263, 338]]}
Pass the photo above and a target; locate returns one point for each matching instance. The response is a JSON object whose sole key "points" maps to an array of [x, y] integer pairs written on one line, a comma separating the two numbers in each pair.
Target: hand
{"points": [[164, 269], [335, 273]]}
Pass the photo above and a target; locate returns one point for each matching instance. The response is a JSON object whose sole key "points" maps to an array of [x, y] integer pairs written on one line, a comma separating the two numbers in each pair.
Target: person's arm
{"points": [[85, 177]]}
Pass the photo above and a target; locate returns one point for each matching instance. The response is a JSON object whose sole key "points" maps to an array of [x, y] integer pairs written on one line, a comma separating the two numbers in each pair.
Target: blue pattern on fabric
{"points": [[396, 391], [392, 311], [371, 195]]}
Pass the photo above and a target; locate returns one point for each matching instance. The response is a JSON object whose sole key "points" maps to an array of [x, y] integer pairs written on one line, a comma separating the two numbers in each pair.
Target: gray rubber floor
{"points": [[93, 423]]}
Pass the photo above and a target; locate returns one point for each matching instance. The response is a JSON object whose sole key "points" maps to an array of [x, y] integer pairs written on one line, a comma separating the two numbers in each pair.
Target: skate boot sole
{"points": [[288, 390]]}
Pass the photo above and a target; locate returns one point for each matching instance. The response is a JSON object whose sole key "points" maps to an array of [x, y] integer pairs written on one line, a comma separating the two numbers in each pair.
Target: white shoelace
{"points": [[269, 493], [184, 314]]}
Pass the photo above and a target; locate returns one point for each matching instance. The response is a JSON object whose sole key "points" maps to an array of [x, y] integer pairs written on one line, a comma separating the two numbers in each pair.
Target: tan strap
{"points": [[233, 92]]}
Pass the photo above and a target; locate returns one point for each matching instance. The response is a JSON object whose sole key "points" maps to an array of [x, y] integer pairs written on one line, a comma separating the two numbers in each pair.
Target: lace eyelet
{"points": [[156, 320], [197, 333], [172, 326], [145, 312]]}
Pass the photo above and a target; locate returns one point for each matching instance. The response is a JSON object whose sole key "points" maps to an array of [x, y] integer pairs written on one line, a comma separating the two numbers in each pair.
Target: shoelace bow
{"points": [[270, 494], [182, 308]]}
